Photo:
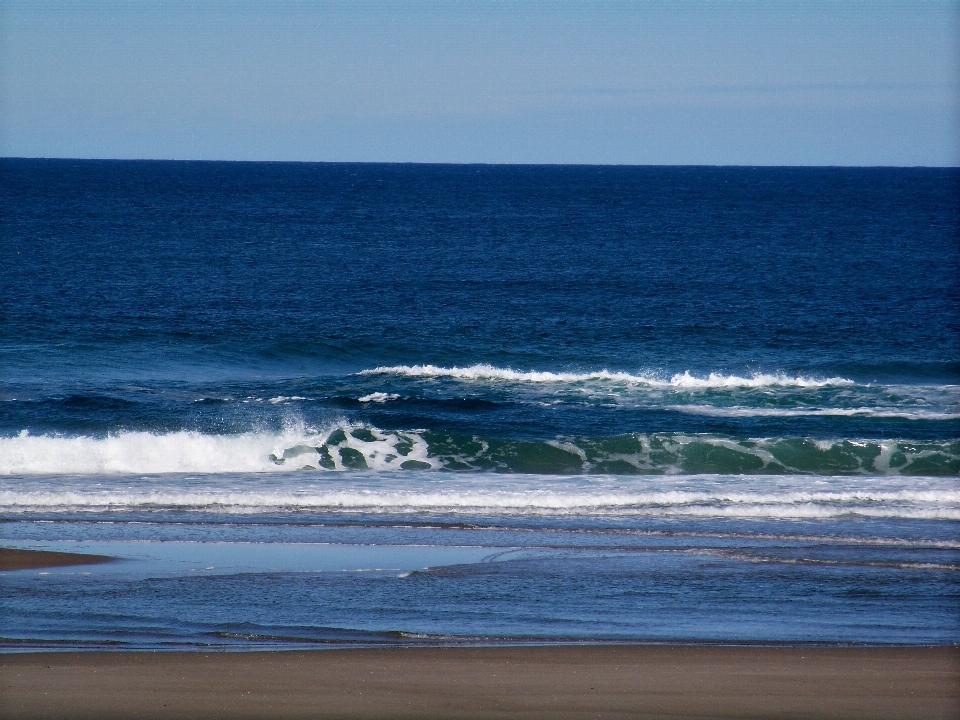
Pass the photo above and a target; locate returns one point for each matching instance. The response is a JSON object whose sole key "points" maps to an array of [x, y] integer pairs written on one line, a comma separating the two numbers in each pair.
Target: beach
{"points": [[386, 440], [485, 682], [534, 360], [553, 681]]}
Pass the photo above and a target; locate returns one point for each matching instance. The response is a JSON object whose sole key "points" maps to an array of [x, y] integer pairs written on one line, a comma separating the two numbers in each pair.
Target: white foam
{"points": [[298, 447], [739, 411], [378, 397], [680, 380], [732, 497], [142, 452], [193, 452], [715, 380]]}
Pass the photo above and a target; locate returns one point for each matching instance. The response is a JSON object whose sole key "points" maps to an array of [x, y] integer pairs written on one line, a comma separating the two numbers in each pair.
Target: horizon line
{"points": [[476, 163]]}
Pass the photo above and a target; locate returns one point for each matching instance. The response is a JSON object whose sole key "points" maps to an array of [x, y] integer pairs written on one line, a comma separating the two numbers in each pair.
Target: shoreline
{"points": [[20, 559], [677, 681]]}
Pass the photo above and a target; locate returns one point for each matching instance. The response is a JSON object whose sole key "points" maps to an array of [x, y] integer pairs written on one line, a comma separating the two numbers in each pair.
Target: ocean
{"points": [[318, 405]]}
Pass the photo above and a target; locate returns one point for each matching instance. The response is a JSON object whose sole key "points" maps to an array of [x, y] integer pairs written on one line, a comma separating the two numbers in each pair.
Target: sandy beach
{"points": [[506, 682]]}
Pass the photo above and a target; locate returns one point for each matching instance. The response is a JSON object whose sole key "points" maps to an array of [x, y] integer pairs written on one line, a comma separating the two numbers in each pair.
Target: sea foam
{"points": [[354, 447], [141, 452], [293, 448], [874, 412], [679, 380], [726, 496]]}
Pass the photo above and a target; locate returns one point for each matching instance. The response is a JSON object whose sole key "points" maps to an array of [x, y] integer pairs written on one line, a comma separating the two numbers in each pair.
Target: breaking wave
{"points": [[906, 414], [352, 447], [679, 380]]}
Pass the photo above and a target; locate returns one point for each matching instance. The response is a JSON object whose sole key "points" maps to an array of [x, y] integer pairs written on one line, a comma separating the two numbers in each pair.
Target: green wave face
{"points": [[364, 448]]}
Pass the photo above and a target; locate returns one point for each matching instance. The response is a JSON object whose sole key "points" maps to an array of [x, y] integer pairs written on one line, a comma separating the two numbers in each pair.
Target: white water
{"points": [[190, 452], [680, 380], [296, 448], [193, 452], [724, 496], [139, 452], [739, 411]]}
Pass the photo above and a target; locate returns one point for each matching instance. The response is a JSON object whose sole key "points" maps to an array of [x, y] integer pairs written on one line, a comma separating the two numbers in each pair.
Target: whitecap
{"points": [[679, 380], [378, 397], [740, 411]]}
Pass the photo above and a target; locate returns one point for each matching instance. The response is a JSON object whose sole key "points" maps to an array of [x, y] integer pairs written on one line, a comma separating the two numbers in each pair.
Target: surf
{"points": [[485, 372], [346, 447], [472, 494]]}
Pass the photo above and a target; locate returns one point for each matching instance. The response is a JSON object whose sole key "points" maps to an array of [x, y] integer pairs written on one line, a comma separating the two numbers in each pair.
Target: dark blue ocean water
{"points": [[431, 403]]}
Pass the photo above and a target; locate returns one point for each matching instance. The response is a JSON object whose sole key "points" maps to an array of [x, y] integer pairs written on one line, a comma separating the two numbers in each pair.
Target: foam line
{"points": [[679, 380], [716, 411], [542, 499]]}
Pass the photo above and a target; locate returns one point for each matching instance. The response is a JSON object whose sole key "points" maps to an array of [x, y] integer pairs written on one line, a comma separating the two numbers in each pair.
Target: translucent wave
{"points": [[347, 447], [679, 380]]}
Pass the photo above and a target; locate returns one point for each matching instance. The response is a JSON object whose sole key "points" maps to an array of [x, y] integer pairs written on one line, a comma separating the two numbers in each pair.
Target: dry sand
{"points": [[507, 682]]}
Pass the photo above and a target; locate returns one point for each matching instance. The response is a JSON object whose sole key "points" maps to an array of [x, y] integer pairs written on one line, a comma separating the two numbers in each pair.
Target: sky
{"points": [[710, 82]]}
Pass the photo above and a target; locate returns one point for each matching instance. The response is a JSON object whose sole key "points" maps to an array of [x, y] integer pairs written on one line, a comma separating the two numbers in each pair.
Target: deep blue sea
{"points": [[334, 404]]}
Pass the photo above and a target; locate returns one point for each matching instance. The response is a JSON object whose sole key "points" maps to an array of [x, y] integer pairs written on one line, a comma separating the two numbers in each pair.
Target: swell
{"points": [[356, 447]]}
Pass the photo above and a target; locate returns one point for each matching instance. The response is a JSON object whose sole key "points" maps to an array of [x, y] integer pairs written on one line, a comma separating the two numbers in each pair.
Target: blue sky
{"points": [[851, 82]]}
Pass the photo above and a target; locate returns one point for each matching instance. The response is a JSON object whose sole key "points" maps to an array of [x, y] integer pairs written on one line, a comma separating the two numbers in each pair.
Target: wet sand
{"points": [[519, 682], [16, 559]]}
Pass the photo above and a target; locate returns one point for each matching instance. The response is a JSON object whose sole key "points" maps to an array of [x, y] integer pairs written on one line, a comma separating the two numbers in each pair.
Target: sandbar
{"points": [[19, 559], [538, 682]]}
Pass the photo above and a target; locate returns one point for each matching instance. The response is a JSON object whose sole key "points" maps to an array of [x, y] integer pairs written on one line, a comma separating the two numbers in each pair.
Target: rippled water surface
{"points": [[347, 403]]}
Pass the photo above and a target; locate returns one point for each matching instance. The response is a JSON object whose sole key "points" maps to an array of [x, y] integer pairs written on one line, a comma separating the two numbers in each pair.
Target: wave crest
{"points": [[679, 380], [355, 447]]}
